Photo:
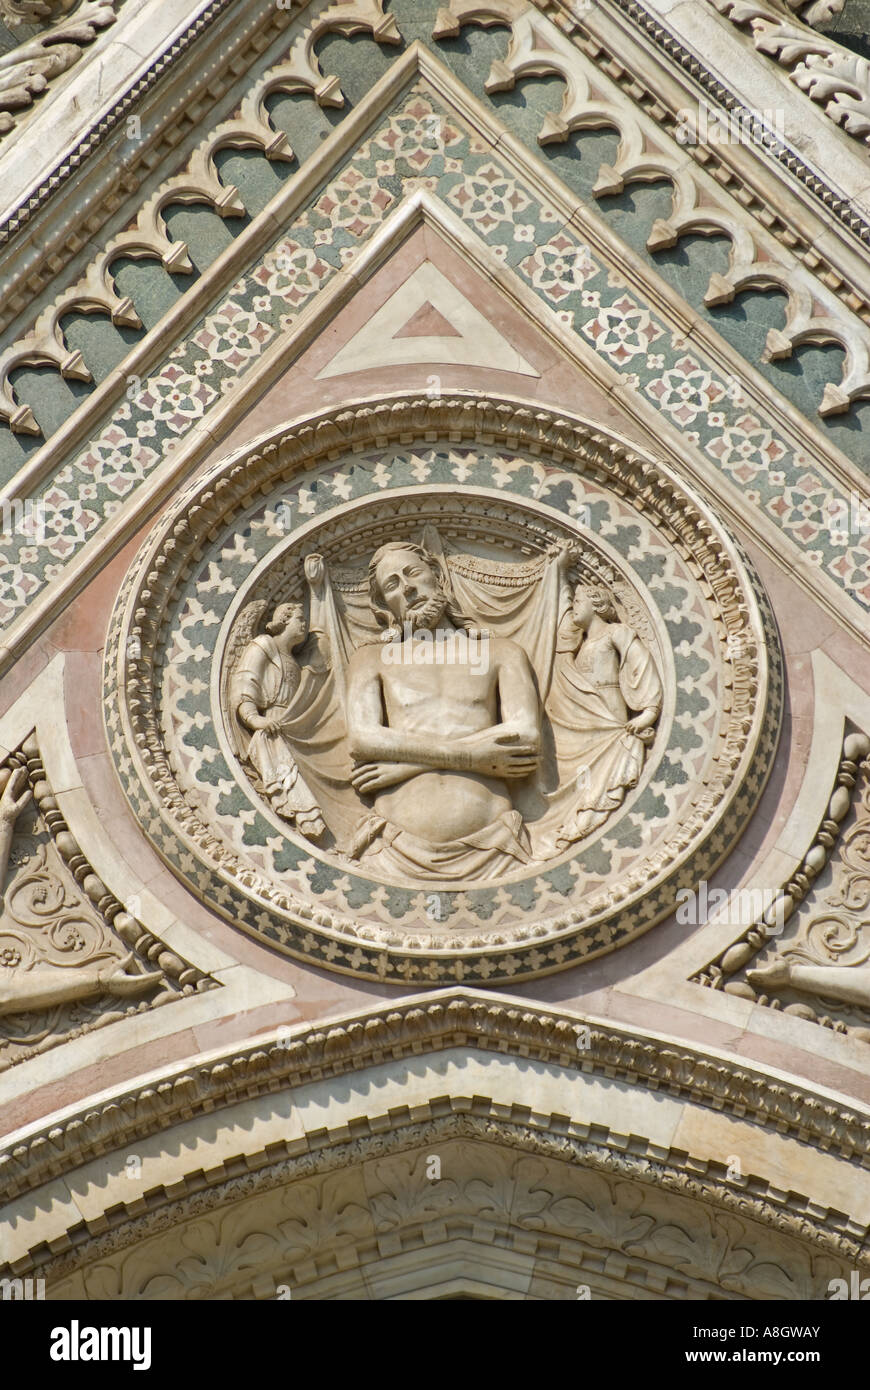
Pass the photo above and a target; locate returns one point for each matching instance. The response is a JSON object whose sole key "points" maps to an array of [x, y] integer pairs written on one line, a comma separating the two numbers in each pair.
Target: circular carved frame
{"points": [[310, 926]]}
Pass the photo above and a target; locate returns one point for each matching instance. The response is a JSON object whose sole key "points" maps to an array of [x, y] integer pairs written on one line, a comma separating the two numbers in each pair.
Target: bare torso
{"points": [[435, 742], [453, 700]]}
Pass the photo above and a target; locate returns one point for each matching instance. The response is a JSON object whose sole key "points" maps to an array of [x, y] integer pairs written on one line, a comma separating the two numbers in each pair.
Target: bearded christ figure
{"points": [[439, 729]]}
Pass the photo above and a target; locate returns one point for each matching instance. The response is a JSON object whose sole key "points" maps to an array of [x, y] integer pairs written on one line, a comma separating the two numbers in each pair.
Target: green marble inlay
{"points": [[341, 216]]}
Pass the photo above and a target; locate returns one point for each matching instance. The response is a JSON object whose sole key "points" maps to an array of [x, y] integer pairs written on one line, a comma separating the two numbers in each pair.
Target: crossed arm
{"points": [[384, 756]]}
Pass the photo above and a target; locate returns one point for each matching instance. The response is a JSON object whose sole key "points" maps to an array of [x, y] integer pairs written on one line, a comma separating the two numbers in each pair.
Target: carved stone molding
{"points": [[332, 1223], [707, 197], [95, 168], [204, 847], [72, 958], [822, 303], [27, 71], [808, 954], [253, 126], [200, 182], [831, 75], [430, 1025]]}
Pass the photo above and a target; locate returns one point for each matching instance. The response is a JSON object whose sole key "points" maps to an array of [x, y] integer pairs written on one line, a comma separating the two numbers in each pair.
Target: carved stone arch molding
{"points": [[394, 1154], [494, 487]]}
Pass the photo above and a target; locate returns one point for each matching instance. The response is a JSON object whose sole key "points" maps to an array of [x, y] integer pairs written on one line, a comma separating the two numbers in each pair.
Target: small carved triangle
{"points": [[428, 322], [427, 319]]}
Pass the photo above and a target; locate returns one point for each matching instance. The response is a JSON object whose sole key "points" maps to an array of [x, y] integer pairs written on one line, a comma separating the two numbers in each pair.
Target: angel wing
{"points": [[433, 544], [245, 628]]}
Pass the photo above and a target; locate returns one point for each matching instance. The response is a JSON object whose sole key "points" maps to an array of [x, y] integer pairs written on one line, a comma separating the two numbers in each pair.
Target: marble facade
{"points": [[434, 672]]}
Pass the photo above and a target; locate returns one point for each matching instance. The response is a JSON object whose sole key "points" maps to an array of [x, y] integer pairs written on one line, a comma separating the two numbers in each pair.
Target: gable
{"points": [[536, 298], [632, 330]]}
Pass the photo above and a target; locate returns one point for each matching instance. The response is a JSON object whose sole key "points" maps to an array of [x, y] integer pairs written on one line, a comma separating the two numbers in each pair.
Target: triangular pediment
{"points": [[427, 319], [418, 148], [507, 339]]}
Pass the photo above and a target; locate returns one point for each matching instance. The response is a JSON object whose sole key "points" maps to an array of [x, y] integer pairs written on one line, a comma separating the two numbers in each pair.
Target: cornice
{"points": [[289, 198], [74, 158], [465, 1130], [834, 77], [83, 196], [430, 1024], [139, 160], [819, 304], [655, 29], [762, 173]]}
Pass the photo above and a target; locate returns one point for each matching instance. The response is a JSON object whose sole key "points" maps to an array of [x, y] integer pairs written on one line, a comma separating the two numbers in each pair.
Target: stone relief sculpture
{"points": [[27, 70], [810, 954], [41, 12], [602, 671], [285, 692], [435, 746], [45, 932], [443, 717], [830, 957], [848, 983], [402, 719], [266, 683]]}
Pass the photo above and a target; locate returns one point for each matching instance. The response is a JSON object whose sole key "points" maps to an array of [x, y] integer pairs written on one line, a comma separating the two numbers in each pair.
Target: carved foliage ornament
{"points": [[441, 690], [536, 1196], [833, 76], [72, 958], [41, 12], [809, 955], [26, 71]]}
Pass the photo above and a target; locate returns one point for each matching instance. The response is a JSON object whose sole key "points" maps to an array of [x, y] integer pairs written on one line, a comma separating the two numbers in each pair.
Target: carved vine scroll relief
{"points": [[27, 71], [810, 955], [71, 957]]}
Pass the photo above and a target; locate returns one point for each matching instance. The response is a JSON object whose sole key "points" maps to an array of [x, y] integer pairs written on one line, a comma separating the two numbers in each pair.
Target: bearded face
{"points": [[411, 589]]}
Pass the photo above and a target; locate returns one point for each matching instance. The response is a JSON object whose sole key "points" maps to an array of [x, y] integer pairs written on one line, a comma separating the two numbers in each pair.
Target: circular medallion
{"points": [[438, 690]]}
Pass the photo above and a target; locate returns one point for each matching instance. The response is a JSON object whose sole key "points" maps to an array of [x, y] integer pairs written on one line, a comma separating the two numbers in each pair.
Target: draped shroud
{"points": [[583, 726]]}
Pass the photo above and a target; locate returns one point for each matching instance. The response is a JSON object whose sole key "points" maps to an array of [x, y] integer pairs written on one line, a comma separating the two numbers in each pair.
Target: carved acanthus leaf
{"points": [[35, 11], [26, 71], [809, 953], [831, 75], [815, 11], [532, 1194]]}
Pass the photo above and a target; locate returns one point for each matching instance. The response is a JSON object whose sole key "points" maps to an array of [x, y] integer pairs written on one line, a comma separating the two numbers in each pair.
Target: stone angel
{"points": [[264, 686], [604, 701]]}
